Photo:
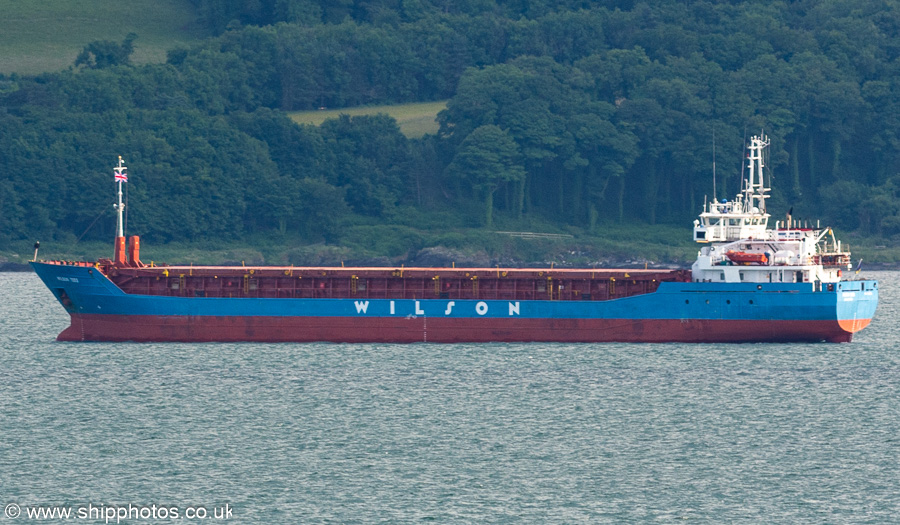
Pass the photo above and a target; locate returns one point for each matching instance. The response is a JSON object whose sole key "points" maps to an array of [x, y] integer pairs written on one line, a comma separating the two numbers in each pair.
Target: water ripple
{"points": [[803, 433]]}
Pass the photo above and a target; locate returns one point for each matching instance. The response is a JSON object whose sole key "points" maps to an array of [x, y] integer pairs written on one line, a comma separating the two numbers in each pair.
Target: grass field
{"points": [[415, 119], [47, 35]]}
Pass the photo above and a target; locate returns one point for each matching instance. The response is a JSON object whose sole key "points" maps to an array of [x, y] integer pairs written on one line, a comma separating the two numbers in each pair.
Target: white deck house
{"points": [[739, 246]]}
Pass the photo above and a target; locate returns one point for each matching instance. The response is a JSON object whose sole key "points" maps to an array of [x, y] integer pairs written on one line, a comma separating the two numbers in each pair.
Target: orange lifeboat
{"points": [[746, 258]]}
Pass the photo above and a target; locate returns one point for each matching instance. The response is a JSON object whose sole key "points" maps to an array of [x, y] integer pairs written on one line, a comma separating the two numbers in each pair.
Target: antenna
{"points": [[743, 152], [714, 165]]}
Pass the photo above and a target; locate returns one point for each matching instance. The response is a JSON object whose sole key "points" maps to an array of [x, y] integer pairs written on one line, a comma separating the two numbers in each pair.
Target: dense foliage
{"points": [[577, 113]]}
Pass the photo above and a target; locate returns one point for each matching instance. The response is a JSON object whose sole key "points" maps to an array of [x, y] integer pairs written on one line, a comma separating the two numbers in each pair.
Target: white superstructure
{"points": [[739, 246]]}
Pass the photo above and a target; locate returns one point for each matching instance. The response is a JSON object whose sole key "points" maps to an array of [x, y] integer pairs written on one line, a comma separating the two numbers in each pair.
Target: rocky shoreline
{"points": [[14, 267]]}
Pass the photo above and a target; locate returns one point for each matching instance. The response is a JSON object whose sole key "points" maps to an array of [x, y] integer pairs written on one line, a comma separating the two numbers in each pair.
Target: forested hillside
{"points": [[574, 115]]}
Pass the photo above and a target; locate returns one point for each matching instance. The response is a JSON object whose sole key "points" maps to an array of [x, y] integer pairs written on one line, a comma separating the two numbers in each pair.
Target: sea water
{"points": [[477, 433]]}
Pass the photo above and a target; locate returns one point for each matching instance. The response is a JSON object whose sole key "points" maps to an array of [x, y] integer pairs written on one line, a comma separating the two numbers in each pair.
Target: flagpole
{"points": [[119, 255], [120, 207]]}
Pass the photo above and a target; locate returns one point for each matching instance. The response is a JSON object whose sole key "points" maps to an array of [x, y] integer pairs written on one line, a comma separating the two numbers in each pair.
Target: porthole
{"points": [[687, 301], [707, 301], [751, 301], [728, 301]]}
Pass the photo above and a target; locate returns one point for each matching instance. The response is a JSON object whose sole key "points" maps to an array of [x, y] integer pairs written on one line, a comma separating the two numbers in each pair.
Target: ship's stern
{"points": [[856, 305]]}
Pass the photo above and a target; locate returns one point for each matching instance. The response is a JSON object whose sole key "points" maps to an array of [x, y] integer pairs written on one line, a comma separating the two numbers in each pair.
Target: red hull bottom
{"points": [[146, 328]]}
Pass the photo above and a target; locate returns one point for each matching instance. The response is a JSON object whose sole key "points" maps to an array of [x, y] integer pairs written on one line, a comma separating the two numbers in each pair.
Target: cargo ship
{"points": [[749, 283]]}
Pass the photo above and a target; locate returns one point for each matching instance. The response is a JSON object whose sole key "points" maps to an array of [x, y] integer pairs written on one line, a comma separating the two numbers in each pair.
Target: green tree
{"points": [[487, 158], [101, 54], [366, 156]]}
